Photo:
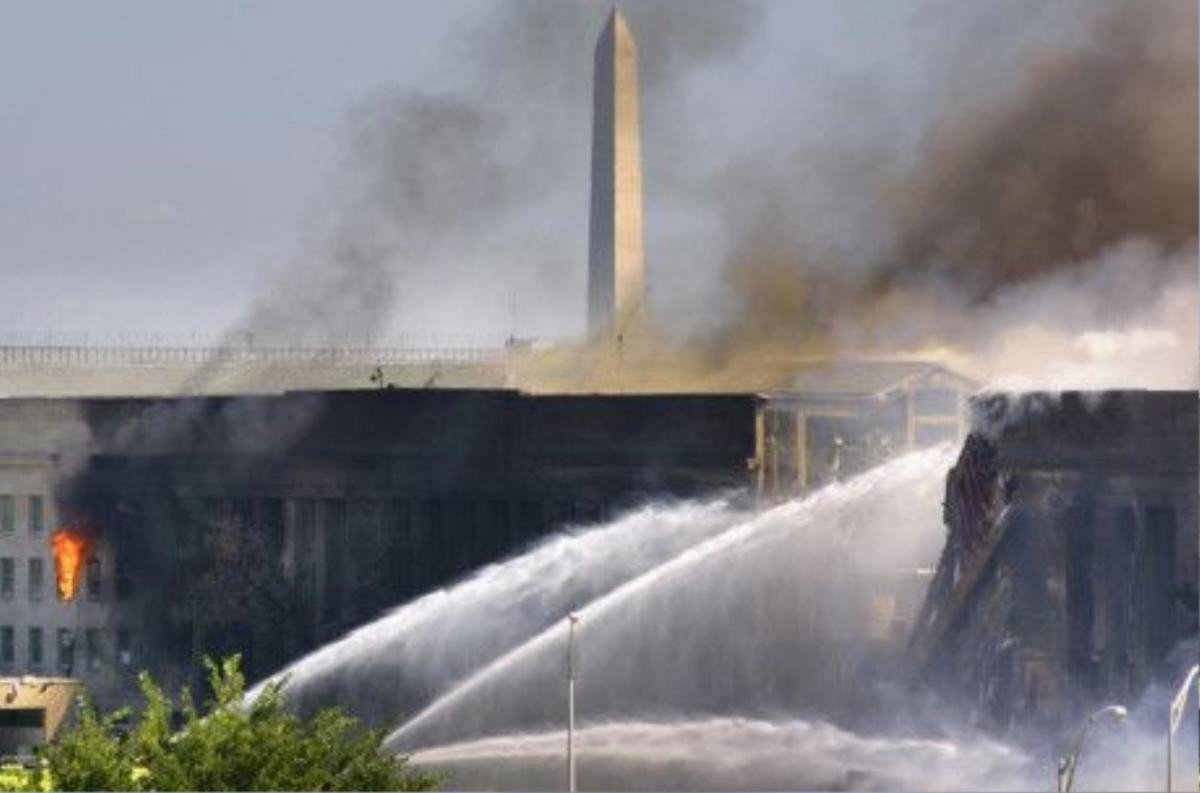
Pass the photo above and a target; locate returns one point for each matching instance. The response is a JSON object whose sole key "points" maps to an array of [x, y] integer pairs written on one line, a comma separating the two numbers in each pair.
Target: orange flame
{"points": [[69, 549]]}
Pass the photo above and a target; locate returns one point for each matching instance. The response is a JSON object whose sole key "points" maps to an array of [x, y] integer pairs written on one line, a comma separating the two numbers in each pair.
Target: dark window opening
{"points": [[37, 576], [8, 515], [35, 648], [66, 650], [93, 579], [37, 518], [7, 578], [22, 718], [8, 646]]}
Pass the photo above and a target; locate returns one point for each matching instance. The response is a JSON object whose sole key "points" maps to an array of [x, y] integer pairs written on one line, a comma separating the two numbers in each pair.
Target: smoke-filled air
{"points": [[691, 395], [1027, 212]]}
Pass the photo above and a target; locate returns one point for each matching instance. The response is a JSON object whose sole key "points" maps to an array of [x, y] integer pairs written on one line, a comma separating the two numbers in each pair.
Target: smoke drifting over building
{"points": [[882, 231], [1030, 181], [1095, 145], [437, 224], [1044, 229]]}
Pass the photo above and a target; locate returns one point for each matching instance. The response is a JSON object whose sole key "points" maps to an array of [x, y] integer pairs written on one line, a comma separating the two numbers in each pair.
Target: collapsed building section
{"points": [[1070, 565]]}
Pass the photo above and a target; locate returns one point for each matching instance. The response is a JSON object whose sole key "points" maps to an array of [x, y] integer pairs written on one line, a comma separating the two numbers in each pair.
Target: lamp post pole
{"points": [[571, 620], [1175, 716], [1069, 762]]}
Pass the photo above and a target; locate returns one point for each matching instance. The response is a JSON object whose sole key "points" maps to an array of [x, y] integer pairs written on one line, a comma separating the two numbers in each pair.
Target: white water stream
{"points": [[717, 648]]}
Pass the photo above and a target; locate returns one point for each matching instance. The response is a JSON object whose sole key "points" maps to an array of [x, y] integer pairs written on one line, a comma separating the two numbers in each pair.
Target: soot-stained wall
{"points": [[269, 524], [1070, 566]]}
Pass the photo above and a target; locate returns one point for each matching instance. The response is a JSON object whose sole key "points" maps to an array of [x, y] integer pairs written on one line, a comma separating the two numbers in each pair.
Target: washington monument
{"points": [[616, 274]]}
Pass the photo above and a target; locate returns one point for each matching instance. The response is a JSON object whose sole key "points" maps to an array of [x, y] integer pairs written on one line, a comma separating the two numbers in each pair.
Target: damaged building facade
{"points": [[267, 525], [1070, 566]]}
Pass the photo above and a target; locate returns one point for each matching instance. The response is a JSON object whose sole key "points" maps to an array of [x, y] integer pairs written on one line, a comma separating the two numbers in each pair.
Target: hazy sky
{"points": [[157, 158], [166, 165]]}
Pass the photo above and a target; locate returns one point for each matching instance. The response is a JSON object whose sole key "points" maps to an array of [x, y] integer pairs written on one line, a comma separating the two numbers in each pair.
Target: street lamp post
{"points": [[1068, 763], [571, 620], [1175, 716]]}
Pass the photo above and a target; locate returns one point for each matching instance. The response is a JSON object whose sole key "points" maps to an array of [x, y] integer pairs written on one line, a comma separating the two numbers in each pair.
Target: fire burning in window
{"points": [[70, 548]]}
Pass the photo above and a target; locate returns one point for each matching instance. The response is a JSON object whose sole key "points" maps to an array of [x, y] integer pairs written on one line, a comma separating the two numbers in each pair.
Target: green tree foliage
{"points": [[18, 778], [232, 745]]}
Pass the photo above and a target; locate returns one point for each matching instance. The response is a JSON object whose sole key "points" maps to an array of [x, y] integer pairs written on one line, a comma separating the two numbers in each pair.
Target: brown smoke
{"points": [[1097, 145], [864, 247], [1091, 148]]}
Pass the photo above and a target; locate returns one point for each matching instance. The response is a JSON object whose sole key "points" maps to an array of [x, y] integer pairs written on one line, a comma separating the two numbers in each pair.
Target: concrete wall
{"points": [[336, 504], [37, 443], [1070, 569]]}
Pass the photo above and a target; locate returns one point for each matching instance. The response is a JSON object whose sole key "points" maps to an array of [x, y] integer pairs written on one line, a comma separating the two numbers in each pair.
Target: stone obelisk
{"points": [[616, 275]]}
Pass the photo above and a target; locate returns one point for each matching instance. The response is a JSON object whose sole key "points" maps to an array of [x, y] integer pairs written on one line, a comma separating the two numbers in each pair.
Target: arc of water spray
{"points": [[793, 511], [553, 576]]}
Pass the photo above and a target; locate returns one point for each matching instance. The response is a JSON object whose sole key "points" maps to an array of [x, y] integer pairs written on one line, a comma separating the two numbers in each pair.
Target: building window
{"points": [[35, 648], [8, 515], [8, 575], [66, 650], [37, 517], [37, 575], [91, 646], [8, 649], [93, 578]]}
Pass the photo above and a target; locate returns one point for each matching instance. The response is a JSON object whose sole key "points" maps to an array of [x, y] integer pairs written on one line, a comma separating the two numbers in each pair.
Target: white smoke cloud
{"points": [[1129, 318]]}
